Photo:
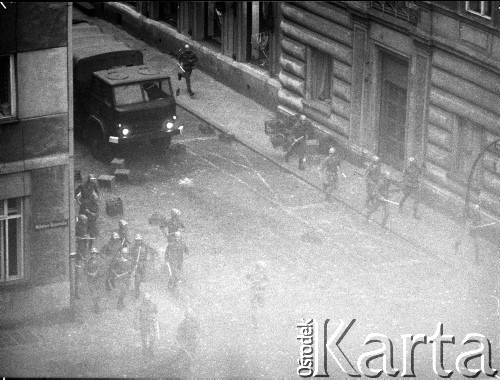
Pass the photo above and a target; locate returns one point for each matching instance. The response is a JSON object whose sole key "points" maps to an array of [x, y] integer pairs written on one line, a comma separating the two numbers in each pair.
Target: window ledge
{"points": [[8, 120], [321, 106]]}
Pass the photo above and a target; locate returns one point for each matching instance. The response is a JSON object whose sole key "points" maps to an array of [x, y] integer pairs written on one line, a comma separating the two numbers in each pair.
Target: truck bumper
{"points": [[156, 135]]}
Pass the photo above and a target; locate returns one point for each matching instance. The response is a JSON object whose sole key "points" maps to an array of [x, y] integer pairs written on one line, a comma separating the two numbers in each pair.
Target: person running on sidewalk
{"points": [[411, 186], [381, 198], [298, 139], [330, 169], [372, 178], [95, 278], [187, 60]]}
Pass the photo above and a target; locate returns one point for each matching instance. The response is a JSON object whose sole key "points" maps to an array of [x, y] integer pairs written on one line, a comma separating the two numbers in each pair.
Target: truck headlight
{"points": [[174, 117], [125, 131], [170, 125]]}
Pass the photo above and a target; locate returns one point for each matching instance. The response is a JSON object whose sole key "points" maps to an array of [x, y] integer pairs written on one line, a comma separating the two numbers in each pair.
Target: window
{"points": [[261, 24], [213, 13], [480, 8], [7, 90], [11, 239], [321, 74], [141, 92], [168, 12]]}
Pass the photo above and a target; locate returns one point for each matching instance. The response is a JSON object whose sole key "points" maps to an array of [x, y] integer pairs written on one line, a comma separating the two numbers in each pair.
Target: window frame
{"points": [[4, 256], [481, 13], [13, 93], [313, 66]]}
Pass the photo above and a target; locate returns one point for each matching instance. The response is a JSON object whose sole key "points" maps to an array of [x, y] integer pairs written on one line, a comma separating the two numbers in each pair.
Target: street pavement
{"points": [[245, 204]]}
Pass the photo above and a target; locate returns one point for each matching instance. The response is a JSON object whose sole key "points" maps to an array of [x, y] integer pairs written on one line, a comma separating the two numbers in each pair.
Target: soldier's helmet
{"points": [[94, 250], [411, 160], [175, 212], [332, 150], [124, 251], [187, 47], [92, 177], [83, 218], [122, 224], [115, 235], [303, 118], [138, 237], [376, 159], [177, 235]]}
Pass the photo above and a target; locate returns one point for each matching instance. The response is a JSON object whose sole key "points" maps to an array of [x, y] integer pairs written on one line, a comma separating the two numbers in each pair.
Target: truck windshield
{"points": [[141, 92]]}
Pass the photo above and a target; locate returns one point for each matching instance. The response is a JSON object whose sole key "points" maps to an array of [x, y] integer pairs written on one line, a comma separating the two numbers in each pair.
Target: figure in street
{"points": [[141, 254], [372, 177], [109, 251], [174, 258], [82, 249], [170, 226], [187, 339], [148, 325], [297, 140], [90, 208], [411, 186], [187, 60], [95, 278], [259, 281], [381, 198], [330, 168], [123, 232], [120, 274], [87, 189]]}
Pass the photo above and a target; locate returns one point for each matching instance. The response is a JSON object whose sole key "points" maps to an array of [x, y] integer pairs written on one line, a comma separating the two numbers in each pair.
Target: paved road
{"points": [[323, 261]]}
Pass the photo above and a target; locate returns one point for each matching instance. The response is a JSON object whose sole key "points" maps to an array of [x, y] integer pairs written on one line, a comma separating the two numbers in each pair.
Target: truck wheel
{"points": [[98, 147], [163, 144]]}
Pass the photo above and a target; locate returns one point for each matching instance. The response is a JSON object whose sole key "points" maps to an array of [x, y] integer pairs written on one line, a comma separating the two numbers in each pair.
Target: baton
{"points": [[343, 174], [388, 201], [169, 269], [85, 238], [181, 67]]}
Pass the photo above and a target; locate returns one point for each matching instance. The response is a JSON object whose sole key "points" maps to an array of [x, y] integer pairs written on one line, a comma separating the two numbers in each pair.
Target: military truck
{"points": [[118, 100]]}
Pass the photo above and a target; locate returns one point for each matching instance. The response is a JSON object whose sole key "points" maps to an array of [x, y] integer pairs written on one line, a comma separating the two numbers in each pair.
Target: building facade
{"points": [[36, 160], [388, 78], [399, 79]]}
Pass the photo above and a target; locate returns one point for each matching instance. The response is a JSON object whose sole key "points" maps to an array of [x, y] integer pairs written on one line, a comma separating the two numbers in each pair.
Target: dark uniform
{"points": [[330, 166], [298, 140], [120, 272], [82, 249], [411, 186], [123, 232], [86, 190], [90, 208], [174, 256], [170, 226], [372, 178], [140, 253], [95, 276], [381, 194], [187, 60], [148, 322]]}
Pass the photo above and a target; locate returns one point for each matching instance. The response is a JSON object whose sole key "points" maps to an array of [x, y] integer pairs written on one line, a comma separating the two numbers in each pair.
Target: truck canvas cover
{"points": [[94, 50]]}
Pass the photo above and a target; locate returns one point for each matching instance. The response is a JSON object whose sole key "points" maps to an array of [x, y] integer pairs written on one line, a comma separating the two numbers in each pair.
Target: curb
{"points": [[408, 240]]}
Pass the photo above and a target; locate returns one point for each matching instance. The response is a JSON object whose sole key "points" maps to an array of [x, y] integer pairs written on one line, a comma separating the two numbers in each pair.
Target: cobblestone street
{"points": [[323, 259]]}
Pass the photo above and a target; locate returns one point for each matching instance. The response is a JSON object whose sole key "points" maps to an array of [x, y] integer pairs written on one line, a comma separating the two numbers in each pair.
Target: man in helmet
{"points": [[187, 60], [172, 225], [109, 251], [298, 139], [82, 249], [174, 258], [411, 185], [330, 169], [87, 189], [120, 271], [90, 208], [95, 275], [187, 334], [123, 232], [381, 198], [140, 253], [372, 178]]}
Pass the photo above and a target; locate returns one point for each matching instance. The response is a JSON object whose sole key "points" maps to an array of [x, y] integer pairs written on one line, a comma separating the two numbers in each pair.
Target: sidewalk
{"points": [[230, 112]]}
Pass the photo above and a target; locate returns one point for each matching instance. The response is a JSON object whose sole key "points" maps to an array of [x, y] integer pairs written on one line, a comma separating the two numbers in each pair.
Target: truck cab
{"points": [[118, 100]]}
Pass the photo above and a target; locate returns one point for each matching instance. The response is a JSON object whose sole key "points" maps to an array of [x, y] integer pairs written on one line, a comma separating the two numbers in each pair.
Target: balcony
{"points": [[403, 10]]}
